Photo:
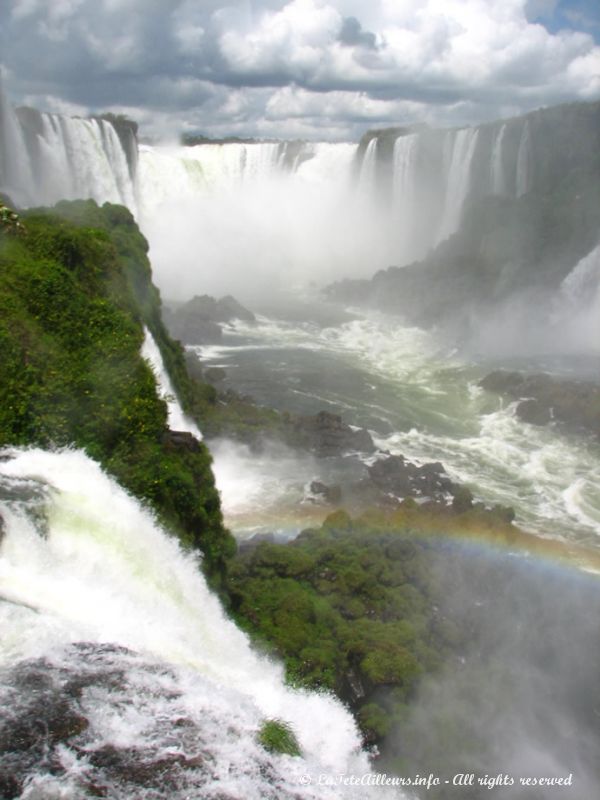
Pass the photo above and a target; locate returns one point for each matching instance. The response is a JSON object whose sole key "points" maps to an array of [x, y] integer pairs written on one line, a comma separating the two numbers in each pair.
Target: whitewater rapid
{"points": [[82, 561], [418, 399]]}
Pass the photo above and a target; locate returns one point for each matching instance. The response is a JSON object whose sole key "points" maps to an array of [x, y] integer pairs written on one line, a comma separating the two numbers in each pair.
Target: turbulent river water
{"points": [[419, 398]]}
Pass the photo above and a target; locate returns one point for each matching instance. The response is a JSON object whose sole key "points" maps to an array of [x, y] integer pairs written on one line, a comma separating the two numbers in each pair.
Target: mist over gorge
{"points": [[460, 641], [472, 227]]}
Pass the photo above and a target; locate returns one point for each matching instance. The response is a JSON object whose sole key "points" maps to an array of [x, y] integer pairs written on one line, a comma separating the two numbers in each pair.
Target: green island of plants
{"points": [[355, 607], [277, 736]]}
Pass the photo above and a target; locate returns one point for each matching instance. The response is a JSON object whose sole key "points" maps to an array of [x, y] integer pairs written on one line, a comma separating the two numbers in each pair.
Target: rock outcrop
{"points": [[198, 320], [543, 399]]}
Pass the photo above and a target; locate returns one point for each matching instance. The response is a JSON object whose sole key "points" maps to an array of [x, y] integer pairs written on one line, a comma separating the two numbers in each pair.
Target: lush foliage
{"points": [[277, 736], [75, 293], [355, 606], [349, 607]]}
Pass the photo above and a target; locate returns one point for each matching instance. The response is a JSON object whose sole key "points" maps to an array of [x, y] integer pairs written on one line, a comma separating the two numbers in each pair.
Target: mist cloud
{"points": [[179, 63]]}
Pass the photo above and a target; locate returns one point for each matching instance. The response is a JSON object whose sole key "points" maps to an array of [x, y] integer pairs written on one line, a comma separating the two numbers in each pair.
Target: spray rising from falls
{"points": [[96, 595], [261, 214]]}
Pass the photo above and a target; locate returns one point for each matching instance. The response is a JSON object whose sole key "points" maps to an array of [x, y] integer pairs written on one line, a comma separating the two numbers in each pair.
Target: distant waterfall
{"points": [[15, 167], [576, 312], [462, 149], [405, 175], [368, 168], [583, 282], [45, 158], [523, 161], [498, 180]]}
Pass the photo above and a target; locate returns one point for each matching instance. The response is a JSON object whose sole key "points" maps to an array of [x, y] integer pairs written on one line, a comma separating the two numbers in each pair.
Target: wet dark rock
{"points": [[215, 374], [353, 689], [131, 765], [463, 500], [543, 399], [44, 710], [47, 719], [503, 513], [197, 321], [10, 786], [181, 440], [330, 494], [326, 435], [534, 412], [396, 476]]}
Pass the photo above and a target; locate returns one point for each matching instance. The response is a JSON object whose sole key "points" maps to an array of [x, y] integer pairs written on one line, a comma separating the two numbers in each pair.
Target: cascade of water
{"points": [[368, 169], [523, 161], [497, 179], [326, 163], [16, 175], [575, 314], [85, 572], [405, 183], [178, 421], [582, 284], [405, 175], [458, 178], [260, 160], [68, 158]]}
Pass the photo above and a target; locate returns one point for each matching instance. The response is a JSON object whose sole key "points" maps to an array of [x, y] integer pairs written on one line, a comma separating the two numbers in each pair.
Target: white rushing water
{"points": [[368, 169], [178, 420], [419, 401], [62, 158], [81, 561], [523, 180], [304, 210], [497, 177], [459, 157]]}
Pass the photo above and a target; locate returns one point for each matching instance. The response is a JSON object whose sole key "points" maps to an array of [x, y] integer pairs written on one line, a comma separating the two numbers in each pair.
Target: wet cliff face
{"points": [[509, 209]]}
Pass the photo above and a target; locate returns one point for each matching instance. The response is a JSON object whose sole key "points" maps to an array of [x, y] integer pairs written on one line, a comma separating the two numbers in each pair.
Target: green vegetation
{"points": [[349, 608], [277, 736], [75, 293], [355, 607]]}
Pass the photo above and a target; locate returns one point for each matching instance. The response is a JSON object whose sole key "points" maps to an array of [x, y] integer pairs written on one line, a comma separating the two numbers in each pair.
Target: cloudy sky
{"points": [[319, 69]]}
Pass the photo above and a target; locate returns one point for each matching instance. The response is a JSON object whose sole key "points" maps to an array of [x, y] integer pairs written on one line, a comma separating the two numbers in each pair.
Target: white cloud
{"points": [[308, 63]]}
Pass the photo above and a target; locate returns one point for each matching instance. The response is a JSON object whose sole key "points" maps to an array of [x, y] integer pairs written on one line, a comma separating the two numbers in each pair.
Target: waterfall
{"points": [[574, 314], [15, 167], [45, 158], [497, 179], [579, 299], [368, 169], [523, 179], [405, 173], [457, 183], [178, 421], [95, 595]]}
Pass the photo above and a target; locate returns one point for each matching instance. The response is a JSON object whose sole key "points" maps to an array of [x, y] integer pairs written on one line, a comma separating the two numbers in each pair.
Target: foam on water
{"points": [[551, 479], [105, 572]]}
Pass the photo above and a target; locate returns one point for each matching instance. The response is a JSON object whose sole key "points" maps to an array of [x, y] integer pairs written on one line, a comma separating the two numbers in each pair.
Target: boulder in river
{"points": [[197, 321], [327, 435]]}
